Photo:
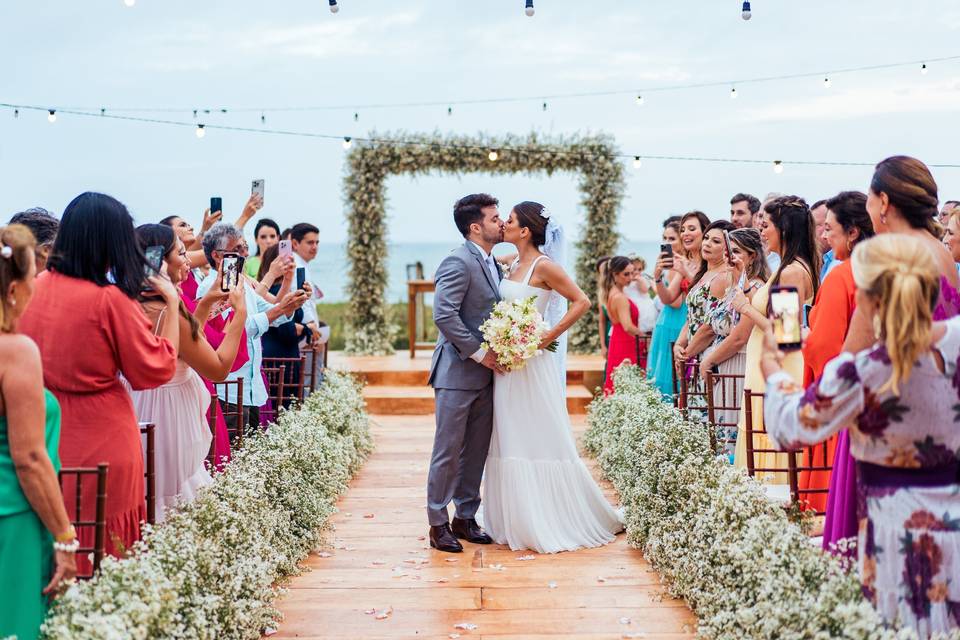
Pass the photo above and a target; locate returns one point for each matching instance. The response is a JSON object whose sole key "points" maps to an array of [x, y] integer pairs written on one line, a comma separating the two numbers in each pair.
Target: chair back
{"points": [[233, 417], [809, 460], [311, 372], [674, 378], [643, 350], [275, 391], [293, 378], [691, 390], [724, 392], [148, 437], [73, 478], [761, 451]]}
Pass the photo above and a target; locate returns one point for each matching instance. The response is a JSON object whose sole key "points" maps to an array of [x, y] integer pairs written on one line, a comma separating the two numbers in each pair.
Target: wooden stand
{"points": [[415, 292]]}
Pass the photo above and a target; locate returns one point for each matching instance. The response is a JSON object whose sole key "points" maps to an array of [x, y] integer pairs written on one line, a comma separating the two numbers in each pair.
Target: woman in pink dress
{"points": [[625, 344]]}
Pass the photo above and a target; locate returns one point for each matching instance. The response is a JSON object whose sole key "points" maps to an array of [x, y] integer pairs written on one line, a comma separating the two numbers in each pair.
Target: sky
{"points": [[216, 53]]}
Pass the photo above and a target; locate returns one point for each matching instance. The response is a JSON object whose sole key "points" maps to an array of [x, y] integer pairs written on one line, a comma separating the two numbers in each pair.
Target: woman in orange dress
{"points": [[847, 223], [89, 327]]}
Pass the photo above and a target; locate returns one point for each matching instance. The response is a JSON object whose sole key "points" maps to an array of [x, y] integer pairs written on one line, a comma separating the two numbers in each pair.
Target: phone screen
{"points": [[784, 313], [257, 187], [230, 268], [301, 277], [726, 243], [154, 257], [285, 249], [216, 204]]}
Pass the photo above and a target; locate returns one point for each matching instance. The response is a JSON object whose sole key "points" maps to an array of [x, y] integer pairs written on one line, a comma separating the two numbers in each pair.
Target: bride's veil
{"points": [[555, 248]]}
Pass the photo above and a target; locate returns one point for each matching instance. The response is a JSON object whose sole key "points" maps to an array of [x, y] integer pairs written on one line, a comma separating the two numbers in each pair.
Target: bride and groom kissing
{"points": [[512, 429]]}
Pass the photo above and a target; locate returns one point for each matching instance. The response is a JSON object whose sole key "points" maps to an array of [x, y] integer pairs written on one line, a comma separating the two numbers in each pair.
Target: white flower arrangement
{"points": [[745, 567], [514, 331], [211, 569]]}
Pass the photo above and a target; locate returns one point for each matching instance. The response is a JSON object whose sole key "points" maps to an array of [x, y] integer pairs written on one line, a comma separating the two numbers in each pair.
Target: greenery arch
{"points": [[370, 162]]}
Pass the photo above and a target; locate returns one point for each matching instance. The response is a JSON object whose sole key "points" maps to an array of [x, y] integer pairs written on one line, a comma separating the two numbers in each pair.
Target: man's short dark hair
{"points": [[669, 221], [299, 231], [817, 204], [467, 210], [753, 203], [41, 223], [955, 203]]}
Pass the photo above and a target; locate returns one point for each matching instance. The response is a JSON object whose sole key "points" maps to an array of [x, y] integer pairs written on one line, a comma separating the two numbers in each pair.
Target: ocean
{"points": [[329, 269]]}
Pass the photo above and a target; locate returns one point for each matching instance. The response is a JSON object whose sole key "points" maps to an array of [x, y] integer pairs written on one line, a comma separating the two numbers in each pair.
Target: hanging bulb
{"points": [[640, 101], [544, 106], [636, 162], [529, 10], [334, 7], [129, 3], [923, 69], [16, 113], [356, 117], [826, 82], [449, 111], [201, 131], [52, 115], [777, 166], [745, 13], [263, 118], [103, 111], [493, 155], [347, 142], [194, 114], [733, 93]]}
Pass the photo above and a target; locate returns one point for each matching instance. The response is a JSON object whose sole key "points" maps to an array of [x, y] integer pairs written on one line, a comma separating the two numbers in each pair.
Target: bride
{"points": [[537, 493]]}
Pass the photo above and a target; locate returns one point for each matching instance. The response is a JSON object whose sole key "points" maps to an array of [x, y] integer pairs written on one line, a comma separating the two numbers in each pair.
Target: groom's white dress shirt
{"points": [[481, 353]]}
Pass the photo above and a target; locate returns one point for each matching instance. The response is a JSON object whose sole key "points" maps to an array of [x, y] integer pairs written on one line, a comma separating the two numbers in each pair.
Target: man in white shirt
{"points": [[305, 241]]}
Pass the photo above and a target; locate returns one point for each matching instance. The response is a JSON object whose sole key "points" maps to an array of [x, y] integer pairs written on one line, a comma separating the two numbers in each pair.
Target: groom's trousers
{"points": [[460, 445]]}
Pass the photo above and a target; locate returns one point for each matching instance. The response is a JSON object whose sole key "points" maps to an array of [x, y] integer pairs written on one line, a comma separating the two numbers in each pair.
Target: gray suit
{"points": [[466, 292]]}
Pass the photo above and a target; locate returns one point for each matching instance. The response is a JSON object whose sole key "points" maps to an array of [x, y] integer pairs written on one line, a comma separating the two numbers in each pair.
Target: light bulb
{"points": [[826, 82], [16, 113], [746, 14], [923, 69], [263, 118], [347, 142], [529, 10], [636, 162], [51, 115], [639, 101], [733, 93], [356, 117], [334, 7], [103, 111], [493, 155], [449, 111], [544, 106], [194, 114], [777, 166], [201, 131], [129, 3]]}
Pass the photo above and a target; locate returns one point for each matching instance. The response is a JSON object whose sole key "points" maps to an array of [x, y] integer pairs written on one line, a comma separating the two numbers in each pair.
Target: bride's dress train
{"points": [[538, 494]]}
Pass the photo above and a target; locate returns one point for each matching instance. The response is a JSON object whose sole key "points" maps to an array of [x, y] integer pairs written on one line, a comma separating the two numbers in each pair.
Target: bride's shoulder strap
{"points": [[533, 266]]}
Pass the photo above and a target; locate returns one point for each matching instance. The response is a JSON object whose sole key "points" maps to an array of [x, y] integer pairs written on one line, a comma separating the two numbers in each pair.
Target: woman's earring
{"points": [[876, 327], [849, 247]]}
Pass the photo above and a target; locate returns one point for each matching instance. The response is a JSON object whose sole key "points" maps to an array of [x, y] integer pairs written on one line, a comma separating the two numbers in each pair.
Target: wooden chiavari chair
{"points": [[311, 371], [148, 433], [643, 350], [692, 394], [763, 458], [275, 391], [805, 461], [232, 415], [293, 379], [72, 477], [724, 393], [675, 379]]}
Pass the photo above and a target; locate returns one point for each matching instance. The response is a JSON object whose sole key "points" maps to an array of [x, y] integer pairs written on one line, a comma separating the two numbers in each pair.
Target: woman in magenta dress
{"points": [[86, 320], [625, 344]]}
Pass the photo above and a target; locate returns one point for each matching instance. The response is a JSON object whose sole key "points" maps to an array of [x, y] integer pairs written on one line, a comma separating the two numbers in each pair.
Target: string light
{"points": [[103, 112], [356, 117], [52, 115], [923, 69], [544, 106], [640, 101], [528, 9], [636, 162], [201, 131], [334, 7], [449, 111], [16, 113], [493, 155], [826, 82], [733, 93], [263, 118], [746, 14], [194, 114], [777, 166], [347, 142]]}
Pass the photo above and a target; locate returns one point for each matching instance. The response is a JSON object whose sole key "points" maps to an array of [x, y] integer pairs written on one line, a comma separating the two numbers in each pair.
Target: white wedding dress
{"points": [[537, 492]]}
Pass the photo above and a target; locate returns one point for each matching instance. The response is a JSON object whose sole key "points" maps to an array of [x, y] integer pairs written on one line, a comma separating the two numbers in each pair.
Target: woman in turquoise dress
{"points": [[32, 564], [673, 275]]}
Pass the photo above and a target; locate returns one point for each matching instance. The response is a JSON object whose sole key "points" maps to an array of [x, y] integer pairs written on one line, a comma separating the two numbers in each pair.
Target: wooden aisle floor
{"points": [[379, 561]]}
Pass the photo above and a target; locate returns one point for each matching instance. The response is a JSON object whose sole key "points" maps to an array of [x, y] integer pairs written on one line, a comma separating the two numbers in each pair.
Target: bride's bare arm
{"points": [[557, 279]]}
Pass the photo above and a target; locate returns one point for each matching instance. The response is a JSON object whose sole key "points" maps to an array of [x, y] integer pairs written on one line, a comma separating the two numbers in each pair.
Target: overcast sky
{"points": [[240, 53]]}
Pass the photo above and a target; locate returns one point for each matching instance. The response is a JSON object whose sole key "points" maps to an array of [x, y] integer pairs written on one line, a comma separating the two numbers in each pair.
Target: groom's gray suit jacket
{"points": [[465, 294]]}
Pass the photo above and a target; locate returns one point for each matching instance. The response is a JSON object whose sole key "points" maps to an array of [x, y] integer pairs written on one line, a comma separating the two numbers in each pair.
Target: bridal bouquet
{"points": [[514, 331]]}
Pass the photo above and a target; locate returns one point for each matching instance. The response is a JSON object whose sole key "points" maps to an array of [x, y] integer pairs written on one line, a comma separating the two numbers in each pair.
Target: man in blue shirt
{"points": [[261, 315], [819, 214]]}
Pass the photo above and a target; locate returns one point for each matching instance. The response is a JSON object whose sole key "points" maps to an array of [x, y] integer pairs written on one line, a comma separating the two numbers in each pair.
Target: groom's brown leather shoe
{"points": [[442, 539], [469, 530]]}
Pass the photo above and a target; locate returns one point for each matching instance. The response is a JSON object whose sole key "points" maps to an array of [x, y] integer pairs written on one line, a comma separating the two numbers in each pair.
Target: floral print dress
{"points": [[907, 449], [703, 308]]}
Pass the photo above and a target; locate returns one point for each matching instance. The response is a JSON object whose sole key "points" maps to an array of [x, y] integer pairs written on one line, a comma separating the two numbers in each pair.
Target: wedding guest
{"points": [[305, 239], [625, 345], [951, 236], [37, 542], [819, 212], [760, 221], [948, 208], [43, 225], [897, 398], [179, 407], [682, 265], [642, 291], [261, 315], [846, 225], [603, 317], [87, 299], [788, 232], [743, 210], [265, 234]]}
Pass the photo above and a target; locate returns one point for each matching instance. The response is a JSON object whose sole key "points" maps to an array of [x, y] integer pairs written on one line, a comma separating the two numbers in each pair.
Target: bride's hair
{"points": [[528, 216]]}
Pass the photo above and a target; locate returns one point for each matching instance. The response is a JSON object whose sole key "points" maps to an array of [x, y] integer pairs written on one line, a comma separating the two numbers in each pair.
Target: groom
{"points": [[467, 288]]}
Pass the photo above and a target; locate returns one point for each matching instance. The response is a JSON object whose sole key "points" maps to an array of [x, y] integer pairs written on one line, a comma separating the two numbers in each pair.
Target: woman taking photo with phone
{"points": [[897, 398], [266, 234], [787, 231], [673, 273], [625, 343]]}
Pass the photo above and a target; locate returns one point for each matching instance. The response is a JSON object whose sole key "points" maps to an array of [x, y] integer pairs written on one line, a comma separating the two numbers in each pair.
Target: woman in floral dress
{"points": [[898, 398]]}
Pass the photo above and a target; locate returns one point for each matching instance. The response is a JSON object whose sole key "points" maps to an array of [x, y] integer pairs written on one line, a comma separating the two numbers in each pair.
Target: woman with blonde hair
{"points": [[898, 399]]}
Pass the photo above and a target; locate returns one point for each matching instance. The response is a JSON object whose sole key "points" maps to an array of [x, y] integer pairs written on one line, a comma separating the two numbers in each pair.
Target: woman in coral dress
{"points": [[89, 327], [625, 345]]}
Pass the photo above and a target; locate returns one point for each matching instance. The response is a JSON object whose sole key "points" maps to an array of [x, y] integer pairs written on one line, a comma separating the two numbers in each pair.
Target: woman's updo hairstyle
{"points": [[614, 268], [16, 257], [528, 217], [910, 187]]}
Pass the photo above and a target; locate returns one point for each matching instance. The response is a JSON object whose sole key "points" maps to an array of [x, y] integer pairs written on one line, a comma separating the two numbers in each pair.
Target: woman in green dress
{"points": [[37, 542]]}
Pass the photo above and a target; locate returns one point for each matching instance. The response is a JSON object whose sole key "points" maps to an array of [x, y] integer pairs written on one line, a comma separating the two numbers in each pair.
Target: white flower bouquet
{"points": [[514, 332]]}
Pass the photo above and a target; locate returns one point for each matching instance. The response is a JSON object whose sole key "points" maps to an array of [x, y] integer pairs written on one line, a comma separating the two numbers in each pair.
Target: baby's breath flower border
{"points": [[369, 163], [210, 570], [745, 568]]}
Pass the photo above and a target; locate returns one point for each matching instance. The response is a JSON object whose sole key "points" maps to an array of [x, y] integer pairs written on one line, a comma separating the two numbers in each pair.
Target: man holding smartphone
{"points": [[305, 241]]}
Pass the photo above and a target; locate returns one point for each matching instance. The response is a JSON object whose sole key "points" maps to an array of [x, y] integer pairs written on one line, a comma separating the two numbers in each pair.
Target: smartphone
{"points": [[784, 311], [807, 308], [230, 268], [285, 249], [301, 278], [154, 256], [668, 250], [257, 187], [726, 244], [216, 204]]}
